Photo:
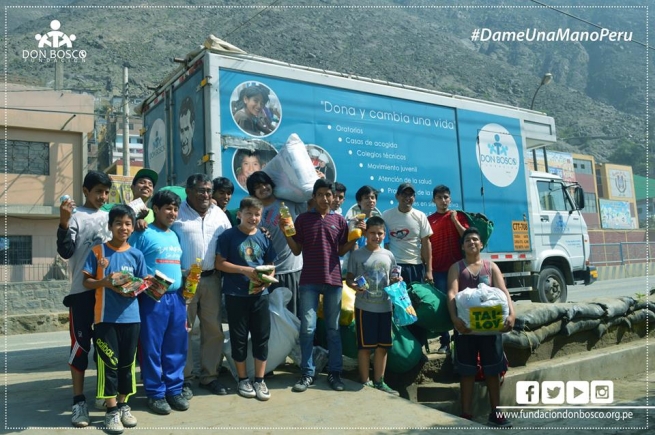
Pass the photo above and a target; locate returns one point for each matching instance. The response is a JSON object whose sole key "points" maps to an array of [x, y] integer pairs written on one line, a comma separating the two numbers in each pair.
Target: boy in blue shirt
{"points": [[372, 304], [116, 317], [238, 251], [163, 337]]}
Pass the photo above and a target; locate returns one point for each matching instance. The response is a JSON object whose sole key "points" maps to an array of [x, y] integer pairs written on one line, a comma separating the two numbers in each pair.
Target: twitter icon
{"points": [[552, 392]]}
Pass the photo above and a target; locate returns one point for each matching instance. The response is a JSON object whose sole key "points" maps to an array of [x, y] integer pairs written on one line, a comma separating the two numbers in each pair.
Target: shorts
{"points": [[248, 314], [373, 329], [80, 316], [490, 347]]}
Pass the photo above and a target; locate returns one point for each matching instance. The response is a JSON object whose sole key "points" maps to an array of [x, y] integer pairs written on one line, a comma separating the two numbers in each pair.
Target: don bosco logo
{"points": [[55, 46], [497, 155]]}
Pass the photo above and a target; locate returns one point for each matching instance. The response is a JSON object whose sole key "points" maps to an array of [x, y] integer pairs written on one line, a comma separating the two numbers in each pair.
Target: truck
{"points": [[225, 112]]}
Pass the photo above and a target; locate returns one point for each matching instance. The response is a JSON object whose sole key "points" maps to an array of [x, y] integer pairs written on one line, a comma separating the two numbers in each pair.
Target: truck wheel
{"points": [[551, 286]]}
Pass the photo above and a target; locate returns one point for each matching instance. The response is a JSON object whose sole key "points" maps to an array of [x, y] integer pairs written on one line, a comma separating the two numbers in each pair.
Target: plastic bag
{"points": [[284, 335], [483, 309], [292, 171], [347, 315], [403, 311]]}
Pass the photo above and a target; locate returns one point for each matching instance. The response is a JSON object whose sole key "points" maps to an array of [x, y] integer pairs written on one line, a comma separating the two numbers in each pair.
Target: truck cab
{"points": [[559, 236]]}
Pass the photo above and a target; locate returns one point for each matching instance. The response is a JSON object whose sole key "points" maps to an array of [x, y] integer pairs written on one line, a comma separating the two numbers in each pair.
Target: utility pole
{"points": [[126, 126]]}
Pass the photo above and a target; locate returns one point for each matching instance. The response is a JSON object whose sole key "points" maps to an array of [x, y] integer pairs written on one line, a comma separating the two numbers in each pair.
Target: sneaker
{"points": [[382, 386], [187, 392], [215, 387], [159, 406], [262, 391], [80, 415], [245, 389], [127, 418], [302, 384], [369, 383], [497, 419], [178, 403], [113, 424], [334, 379], [443, 349], [100, 405]]}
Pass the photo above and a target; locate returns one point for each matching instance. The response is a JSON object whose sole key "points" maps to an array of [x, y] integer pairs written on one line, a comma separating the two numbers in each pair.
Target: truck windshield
{"points": [[553, 197]]}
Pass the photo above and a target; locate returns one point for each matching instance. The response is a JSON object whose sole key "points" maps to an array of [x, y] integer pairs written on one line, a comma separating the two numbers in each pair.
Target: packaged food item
{"points": [[361, 282], [129, 284], [158, 285], [395, 271], [285, 216], [192, 280], [265, 275]]}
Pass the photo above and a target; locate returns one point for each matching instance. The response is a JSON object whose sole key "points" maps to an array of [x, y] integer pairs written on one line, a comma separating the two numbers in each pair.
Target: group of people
{"points": [[103, 247]]}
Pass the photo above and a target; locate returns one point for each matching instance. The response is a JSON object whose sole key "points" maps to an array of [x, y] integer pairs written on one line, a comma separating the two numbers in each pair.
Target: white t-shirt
{"points": [[405, 231]]}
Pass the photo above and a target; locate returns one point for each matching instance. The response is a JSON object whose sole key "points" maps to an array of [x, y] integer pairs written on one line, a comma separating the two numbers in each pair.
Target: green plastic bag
{"points": [[431, 307], [348, 338], [484, 225], [405, 351]]}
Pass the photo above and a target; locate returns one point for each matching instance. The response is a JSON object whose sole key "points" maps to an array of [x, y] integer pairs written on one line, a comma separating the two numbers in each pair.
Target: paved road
{"points": [[611, 288]]}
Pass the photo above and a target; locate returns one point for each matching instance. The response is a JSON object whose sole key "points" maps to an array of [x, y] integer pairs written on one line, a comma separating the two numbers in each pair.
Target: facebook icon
{"points": [[527, 392]]}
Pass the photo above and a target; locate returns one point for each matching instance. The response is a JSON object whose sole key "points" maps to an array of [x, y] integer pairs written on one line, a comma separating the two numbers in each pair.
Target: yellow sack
{"points": [[347, 316]]}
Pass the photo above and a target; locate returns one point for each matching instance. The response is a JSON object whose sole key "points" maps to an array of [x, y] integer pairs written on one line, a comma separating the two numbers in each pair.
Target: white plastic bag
{"points": [[483, 309], [292, 171], [285, 333]]}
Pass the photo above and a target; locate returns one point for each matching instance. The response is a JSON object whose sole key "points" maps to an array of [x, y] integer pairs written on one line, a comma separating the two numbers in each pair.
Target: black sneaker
{"points": [[334, 379], [498, 419], [187, 392], [178, 403], [159, 406], [215, 387], [302, 385]]}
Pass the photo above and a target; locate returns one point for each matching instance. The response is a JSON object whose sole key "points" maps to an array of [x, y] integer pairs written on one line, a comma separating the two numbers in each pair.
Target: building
{"points": [[584, 168], [46, 155], [617, 204]]}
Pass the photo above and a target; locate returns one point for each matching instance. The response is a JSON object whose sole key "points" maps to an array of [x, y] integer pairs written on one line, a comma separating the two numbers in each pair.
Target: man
{"points": [[143, 187], [198, 226], [187, 125], [447, 228], [287, 265], [223, 191], [321, 236], [339, 197], [409, 237], [468, 273]]}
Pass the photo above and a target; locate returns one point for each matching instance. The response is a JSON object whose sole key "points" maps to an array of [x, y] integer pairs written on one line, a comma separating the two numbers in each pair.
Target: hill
{"points": [[598, 96]]}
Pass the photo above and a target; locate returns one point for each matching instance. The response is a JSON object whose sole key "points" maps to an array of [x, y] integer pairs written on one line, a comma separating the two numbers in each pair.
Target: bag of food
{"points": [[483, 309], [403, 311], [292, 171]]}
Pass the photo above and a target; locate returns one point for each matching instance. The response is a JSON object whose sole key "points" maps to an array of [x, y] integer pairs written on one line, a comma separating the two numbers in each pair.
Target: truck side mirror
{"points": [[578, 194]]}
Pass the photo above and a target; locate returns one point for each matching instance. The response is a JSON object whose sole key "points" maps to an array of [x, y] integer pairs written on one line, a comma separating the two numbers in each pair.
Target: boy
{"points": [[116, 317], [468, 273], [238, 252], [76, 234], [367, 199], [372, 304], [447, 227], [321, 237], [339, 197], [163, 336], [250, 163], [223, 191]]}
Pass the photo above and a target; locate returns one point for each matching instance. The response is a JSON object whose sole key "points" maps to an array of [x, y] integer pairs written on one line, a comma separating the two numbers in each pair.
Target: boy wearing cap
{"points": [[409, 237]]}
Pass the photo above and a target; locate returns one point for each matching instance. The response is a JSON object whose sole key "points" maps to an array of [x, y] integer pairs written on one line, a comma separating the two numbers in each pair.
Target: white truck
{"points": [[227, 113]]}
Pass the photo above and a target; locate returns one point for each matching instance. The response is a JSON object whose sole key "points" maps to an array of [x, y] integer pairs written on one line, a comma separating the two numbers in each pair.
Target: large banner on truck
{"points": [[494, 178], [352, 137]]}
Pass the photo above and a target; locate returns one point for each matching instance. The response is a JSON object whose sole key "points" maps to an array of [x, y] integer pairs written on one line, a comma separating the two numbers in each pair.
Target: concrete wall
{"points": [[35, 307]]}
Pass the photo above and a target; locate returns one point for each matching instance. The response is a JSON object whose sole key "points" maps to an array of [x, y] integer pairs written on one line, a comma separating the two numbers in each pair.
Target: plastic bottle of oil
{"points": [[285, 215], [191, 284]]}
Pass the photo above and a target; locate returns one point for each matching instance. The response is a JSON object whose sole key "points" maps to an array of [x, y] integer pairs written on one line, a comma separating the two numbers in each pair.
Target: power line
{"points": [[252, 18], [587, 22]]}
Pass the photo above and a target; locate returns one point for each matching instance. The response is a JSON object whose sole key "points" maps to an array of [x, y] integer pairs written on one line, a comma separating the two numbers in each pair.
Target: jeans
{"points": [[331, 312], [441, 283]]}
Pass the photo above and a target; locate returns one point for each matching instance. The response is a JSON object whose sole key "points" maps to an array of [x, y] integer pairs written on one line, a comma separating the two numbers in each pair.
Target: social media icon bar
{"points": [[552, 392], [577, 392], [527, 392], [601, 391]]}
